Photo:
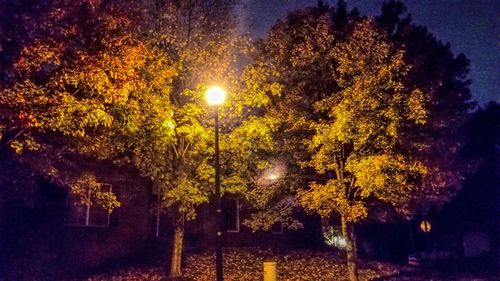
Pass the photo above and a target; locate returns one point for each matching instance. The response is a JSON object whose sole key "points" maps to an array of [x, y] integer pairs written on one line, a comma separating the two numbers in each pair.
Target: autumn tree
{"points": [[70, 81], [443, 77], [362, 127], [356, 145], [177, 153]]}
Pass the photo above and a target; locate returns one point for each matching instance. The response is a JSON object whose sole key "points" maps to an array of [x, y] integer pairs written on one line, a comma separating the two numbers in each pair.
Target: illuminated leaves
{"points": [[330, 199], [73, 87], [90, 192], [353, 125], [82, 85], [390, 178]]}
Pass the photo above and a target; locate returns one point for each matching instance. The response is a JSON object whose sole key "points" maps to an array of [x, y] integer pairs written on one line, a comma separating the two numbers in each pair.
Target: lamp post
{"points": [[215, 97]]}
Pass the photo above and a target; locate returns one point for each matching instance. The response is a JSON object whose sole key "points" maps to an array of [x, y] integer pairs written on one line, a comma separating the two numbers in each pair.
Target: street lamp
{"points": [[215, 97]]}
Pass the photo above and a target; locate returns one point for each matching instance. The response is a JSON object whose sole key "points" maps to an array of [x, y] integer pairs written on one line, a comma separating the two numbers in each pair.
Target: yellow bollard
{"points": [[269, 271]]}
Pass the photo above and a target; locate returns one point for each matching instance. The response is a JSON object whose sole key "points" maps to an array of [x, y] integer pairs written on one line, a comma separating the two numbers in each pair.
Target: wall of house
{"points": [[129, 225], [200, 233], [36, 241]]}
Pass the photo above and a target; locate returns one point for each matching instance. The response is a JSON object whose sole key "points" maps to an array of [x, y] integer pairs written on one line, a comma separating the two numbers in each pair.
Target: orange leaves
{"points": [[27, 120], [37, 54]]}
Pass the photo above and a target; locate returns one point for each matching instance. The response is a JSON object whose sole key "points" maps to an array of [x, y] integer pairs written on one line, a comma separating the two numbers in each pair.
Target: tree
{"points": [[177, 153], [443, 77], [364, 128], [70, 82], [356, 145], [180, 163], [483, 148]]}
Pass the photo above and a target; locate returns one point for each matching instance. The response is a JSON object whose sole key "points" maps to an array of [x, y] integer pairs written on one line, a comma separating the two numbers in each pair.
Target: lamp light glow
{"points": [[215, 95], [273, 176]]}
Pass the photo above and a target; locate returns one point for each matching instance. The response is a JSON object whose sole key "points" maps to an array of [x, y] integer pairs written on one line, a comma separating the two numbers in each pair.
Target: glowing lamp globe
{"points": [[215, 95]]}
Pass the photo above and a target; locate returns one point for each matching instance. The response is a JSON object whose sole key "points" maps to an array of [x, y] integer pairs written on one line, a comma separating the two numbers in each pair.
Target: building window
{"points": [[85, 214], [231, 213]]}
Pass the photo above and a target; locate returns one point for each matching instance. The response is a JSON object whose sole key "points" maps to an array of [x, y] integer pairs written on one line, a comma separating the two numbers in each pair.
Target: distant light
{"points": [[334, 238], [273, 173], [215, 95]]}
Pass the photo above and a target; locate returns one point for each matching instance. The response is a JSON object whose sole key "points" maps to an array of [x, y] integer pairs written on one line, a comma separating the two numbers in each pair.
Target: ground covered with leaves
{"points": [[245, 264], [291, 266]]}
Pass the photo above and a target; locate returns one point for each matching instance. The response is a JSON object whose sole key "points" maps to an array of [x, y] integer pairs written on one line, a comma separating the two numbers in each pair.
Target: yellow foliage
{"points": [[353, 122]]}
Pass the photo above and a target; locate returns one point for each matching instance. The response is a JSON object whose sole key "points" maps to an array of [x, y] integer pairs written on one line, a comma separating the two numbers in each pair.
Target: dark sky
{"points": [[471, 27]]}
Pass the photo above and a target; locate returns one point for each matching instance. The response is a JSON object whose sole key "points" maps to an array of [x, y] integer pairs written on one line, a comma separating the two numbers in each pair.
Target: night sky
{"points": [[471, 27]]}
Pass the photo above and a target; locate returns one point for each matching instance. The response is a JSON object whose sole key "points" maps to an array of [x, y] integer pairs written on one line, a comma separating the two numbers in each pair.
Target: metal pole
{"points": [[158, 215], [218, 237], [428, 242], [412, 244]]}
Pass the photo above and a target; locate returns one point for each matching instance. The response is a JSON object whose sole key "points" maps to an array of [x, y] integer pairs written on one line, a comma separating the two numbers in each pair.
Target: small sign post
{"points": [[425, 226]]}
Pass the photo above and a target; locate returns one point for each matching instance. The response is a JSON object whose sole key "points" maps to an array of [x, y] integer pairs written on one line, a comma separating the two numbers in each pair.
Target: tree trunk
{"points": [[352, 260], [175, 265]]}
